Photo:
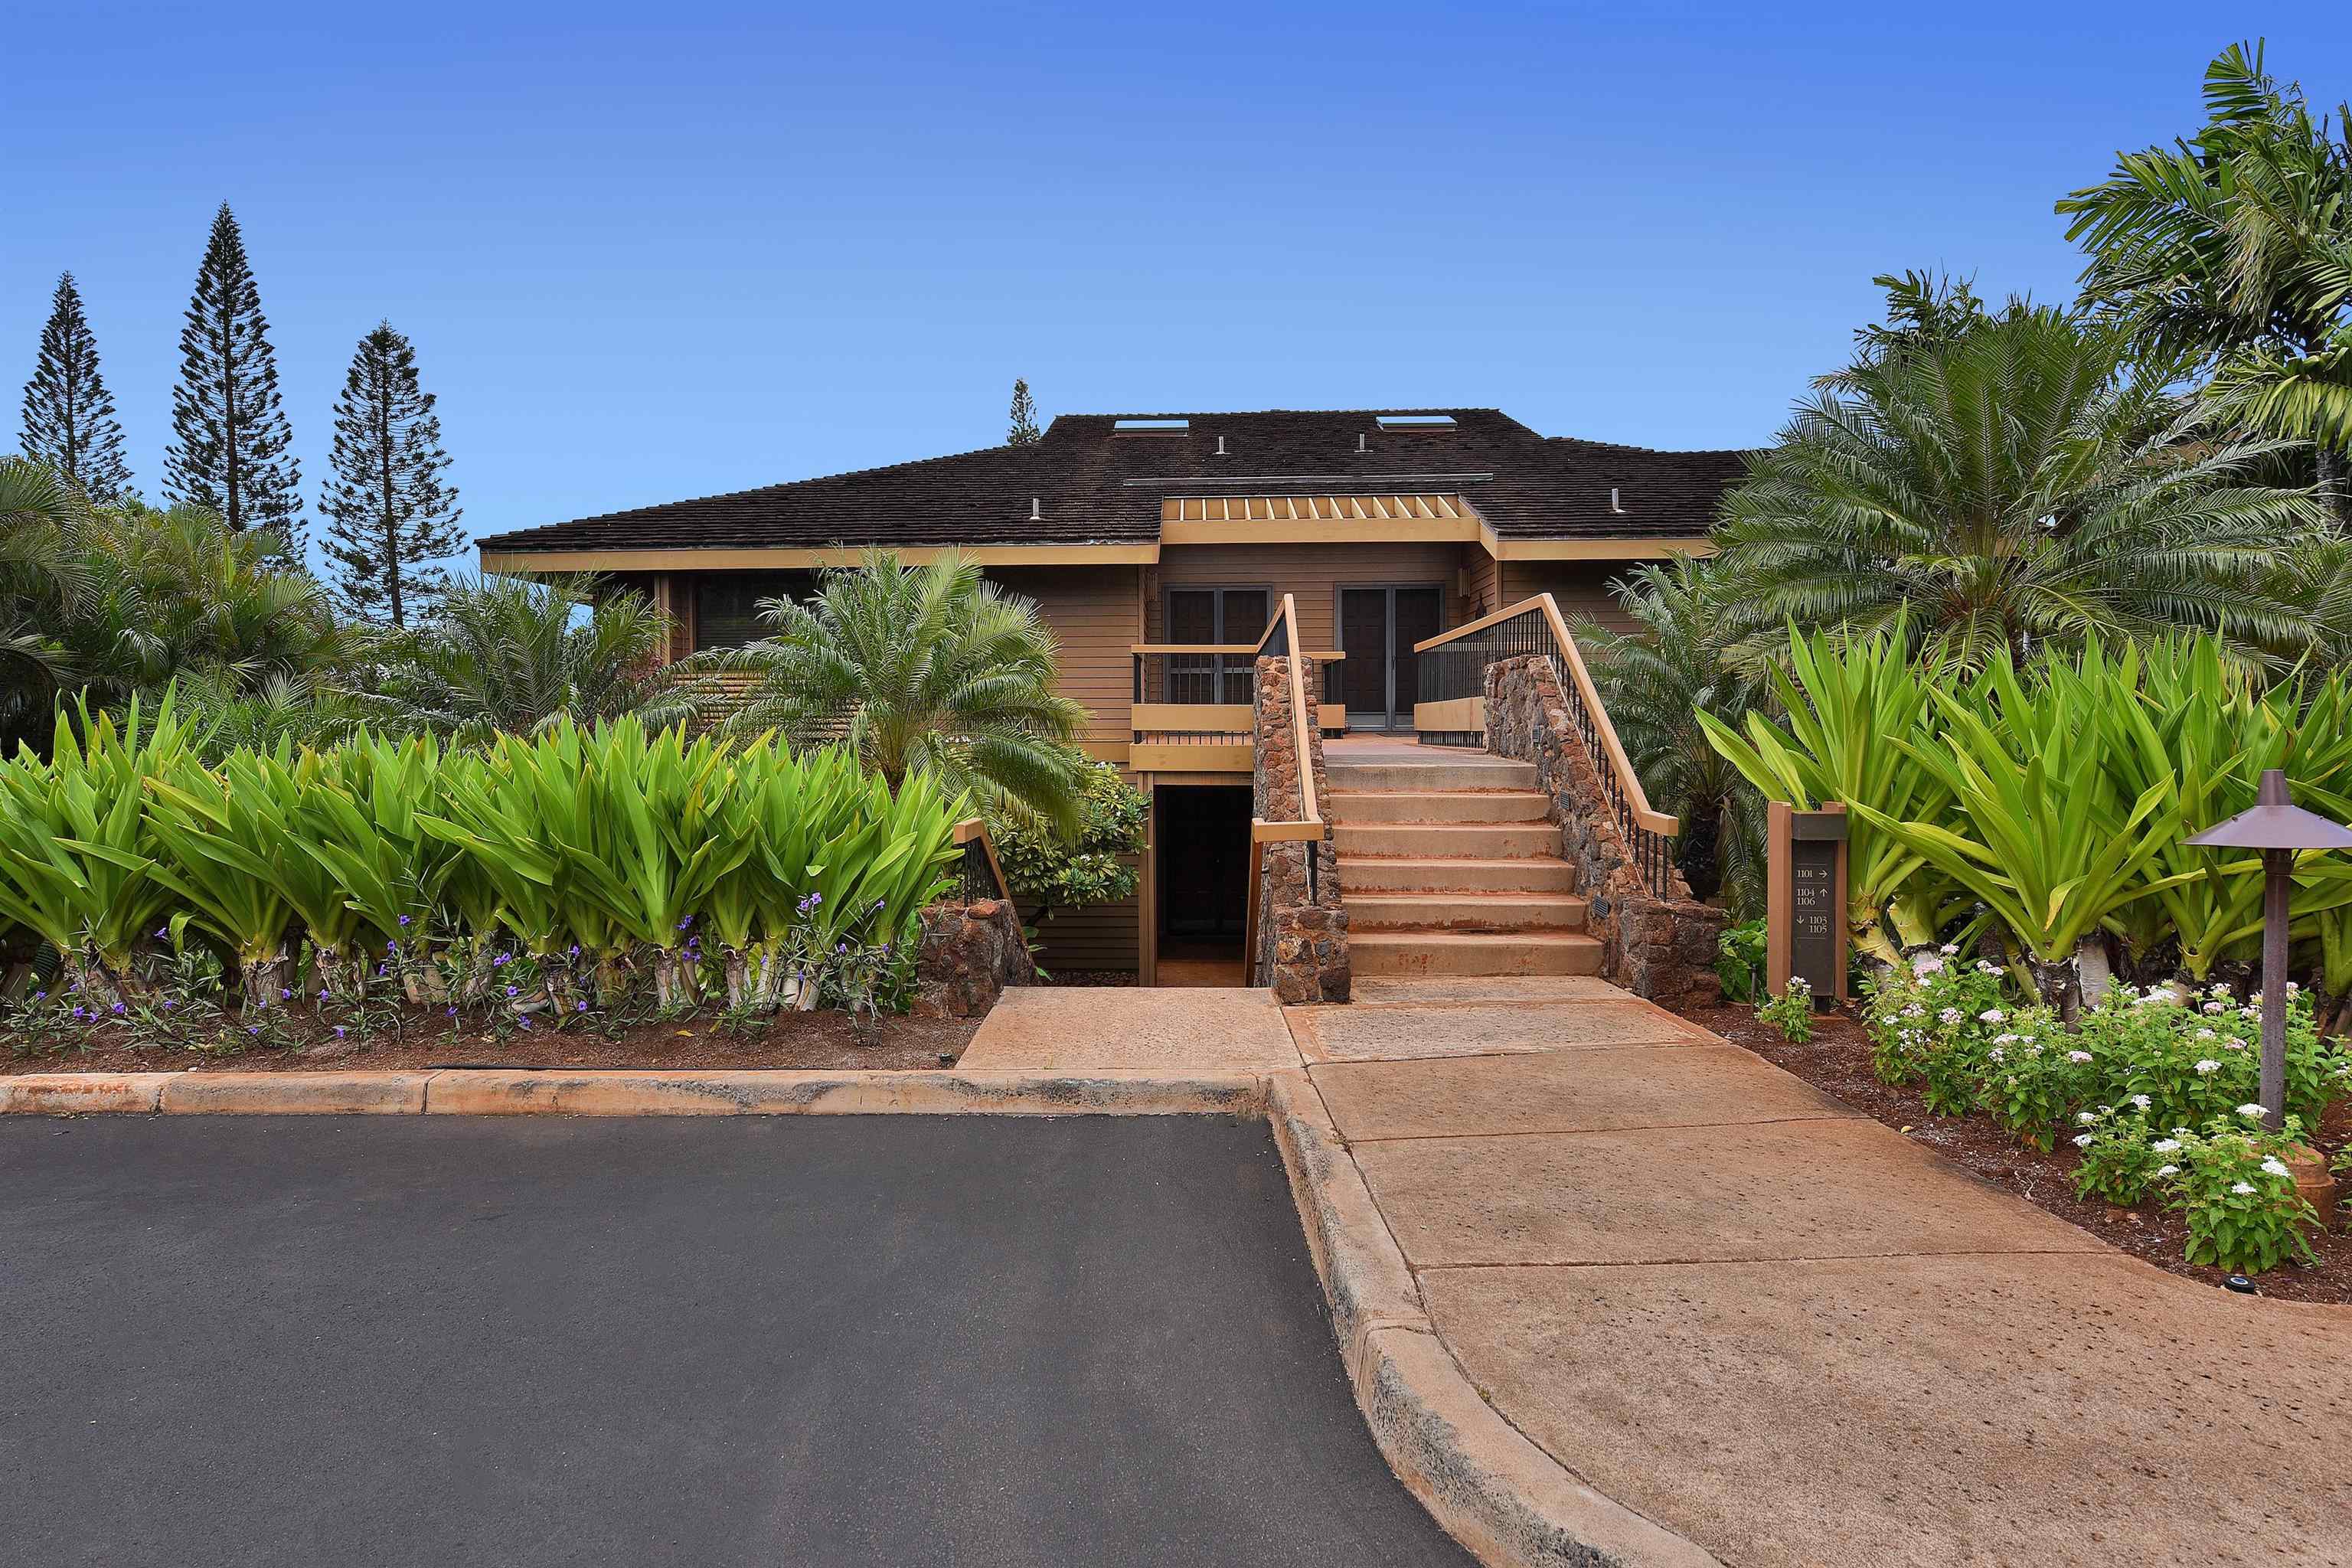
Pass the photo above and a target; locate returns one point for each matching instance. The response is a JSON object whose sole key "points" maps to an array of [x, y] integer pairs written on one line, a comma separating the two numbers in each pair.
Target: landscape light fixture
{"points": [[2279, 829]]}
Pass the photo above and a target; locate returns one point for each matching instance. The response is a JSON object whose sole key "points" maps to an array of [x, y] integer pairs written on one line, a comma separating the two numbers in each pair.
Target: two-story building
{"points": [[1157, 546]]}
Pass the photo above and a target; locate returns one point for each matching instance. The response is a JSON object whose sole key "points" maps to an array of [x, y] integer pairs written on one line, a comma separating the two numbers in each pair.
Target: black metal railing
{"points": [[1456, 669], [974, 870]]}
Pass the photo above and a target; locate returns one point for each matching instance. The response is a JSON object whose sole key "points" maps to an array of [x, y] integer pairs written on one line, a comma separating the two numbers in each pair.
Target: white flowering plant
{"points": [[2122, 1157], [1791, 1012], [2232, 1183], [2032, 1077], [2198, 1056], [1931, 1024]]}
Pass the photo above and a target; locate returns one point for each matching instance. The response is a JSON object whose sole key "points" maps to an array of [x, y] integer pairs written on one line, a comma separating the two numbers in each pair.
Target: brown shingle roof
{"points": [[1091, 484]]}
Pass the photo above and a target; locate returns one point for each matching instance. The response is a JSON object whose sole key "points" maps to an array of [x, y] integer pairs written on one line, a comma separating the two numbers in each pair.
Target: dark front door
{"points": [[1378, 679], [1202, 839]]}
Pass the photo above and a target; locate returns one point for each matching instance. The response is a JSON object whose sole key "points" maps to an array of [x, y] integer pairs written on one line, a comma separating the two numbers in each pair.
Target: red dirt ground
{"points": [[824, 1040], [1837, 1061]]}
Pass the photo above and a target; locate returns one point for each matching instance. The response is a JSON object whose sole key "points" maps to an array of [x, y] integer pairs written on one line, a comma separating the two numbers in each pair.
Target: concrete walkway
{"points": [[1757, 1319], [1790, 1334]]}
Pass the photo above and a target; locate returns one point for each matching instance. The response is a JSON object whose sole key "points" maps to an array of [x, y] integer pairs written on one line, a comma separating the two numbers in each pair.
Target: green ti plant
{"points": [[77, 855], [1847, 705]]}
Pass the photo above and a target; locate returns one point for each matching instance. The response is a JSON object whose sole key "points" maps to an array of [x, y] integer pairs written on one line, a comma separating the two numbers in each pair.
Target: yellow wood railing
{"points": [[1452, 668]]}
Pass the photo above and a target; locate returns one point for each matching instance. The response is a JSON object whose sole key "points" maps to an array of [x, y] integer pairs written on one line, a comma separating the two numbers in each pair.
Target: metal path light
{"points": [[2278, 827]]}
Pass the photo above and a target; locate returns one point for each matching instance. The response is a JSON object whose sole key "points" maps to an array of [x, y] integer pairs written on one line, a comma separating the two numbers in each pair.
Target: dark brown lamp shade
{"points": [[2275, 823]]}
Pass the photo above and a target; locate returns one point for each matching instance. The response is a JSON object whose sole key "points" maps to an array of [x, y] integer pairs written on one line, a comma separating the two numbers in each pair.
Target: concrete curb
{"points": [[624, 1093], [1512, 1504], [1492, 1489]]}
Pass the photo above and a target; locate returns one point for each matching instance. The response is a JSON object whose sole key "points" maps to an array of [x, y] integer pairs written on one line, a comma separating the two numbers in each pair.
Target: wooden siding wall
{"points": [[1581, 587], [1094, 612]]}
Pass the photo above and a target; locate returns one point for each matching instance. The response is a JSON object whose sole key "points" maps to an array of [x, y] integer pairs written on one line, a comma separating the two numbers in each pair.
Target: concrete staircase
{"points": [[1449, 866]]}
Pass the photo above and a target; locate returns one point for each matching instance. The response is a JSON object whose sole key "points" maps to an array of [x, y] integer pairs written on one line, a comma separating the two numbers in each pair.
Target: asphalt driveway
{"points": [[740, 1339]]}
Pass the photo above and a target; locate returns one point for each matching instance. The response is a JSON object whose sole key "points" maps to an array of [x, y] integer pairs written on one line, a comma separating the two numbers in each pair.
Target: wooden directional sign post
{"points": [[1804, 907]]}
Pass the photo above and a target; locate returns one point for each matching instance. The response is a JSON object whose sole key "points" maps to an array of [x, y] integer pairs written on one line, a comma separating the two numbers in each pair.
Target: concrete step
{"points": [[1438, 805], [1463, 911], [1435, 952], [1481, 840], [1494, 773], [1453, 874]]}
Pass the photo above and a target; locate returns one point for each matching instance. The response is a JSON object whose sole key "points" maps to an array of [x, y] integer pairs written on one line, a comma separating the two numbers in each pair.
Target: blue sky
{"points": [[654, 252]]}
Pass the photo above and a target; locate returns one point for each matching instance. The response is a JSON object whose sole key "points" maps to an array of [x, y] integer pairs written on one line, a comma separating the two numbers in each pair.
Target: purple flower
{"points": [[525, 1021], [163, 931], [502, 959], [255, 1030], [580, 1006], [116, 1008], [686, 923], [403, 920], [80, 1014], [382, 969], [338, 1031], [285, 993], [575, 951], [40, 995], [392, 947], [510, 991], [453, 1012], [169, 1004]]}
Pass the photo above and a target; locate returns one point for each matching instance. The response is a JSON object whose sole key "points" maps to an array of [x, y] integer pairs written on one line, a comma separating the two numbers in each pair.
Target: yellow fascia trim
{"points": [[1632, 549], [782, 557], [1336, 530]]}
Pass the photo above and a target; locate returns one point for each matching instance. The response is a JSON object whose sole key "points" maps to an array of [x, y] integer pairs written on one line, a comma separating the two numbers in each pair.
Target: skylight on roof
{"points": [[1416, 421], [1149, 427]]}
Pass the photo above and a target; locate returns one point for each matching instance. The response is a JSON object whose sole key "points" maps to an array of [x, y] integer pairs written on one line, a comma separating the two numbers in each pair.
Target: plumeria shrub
{"points": [[2237, 1194]]}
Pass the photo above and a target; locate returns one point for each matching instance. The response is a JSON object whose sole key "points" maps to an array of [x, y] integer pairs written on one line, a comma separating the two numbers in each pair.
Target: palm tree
{"points": [[919, 670], [1655, 680], [514, 656], [2008, 487], [173, 591], [41, 522], [2231, 255]]}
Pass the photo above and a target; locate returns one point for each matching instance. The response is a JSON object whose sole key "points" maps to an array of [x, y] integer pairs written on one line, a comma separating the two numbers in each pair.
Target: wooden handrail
{"points": [[1226, 648], [1298, 727], [1613, 750]]}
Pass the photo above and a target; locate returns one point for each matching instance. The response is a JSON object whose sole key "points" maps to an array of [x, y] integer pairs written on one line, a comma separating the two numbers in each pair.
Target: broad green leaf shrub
{"points": [[377, 869], [1052, 872], [2050, 803], [1740, 961]]}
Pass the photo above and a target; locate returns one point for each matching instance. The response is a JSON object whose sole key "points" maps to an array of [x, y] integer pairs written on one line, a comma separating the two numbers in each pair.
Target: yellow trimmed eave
{"points": [[1422, 518], [775, 558]]}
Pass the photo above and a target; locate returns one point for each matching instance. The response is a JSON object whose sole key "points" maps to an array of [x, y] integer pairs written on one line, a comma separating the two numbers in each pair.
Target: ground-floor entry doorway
{"points": [[1380, 676], [1201, 868]]}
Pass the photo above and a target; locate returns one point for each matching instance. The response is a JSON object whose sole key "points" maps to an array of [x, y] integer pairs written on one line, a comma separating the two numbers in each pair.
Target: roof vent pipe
{"points": [[1035, 515], [1613, 506], [1359, 440], [1221, 446]]}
